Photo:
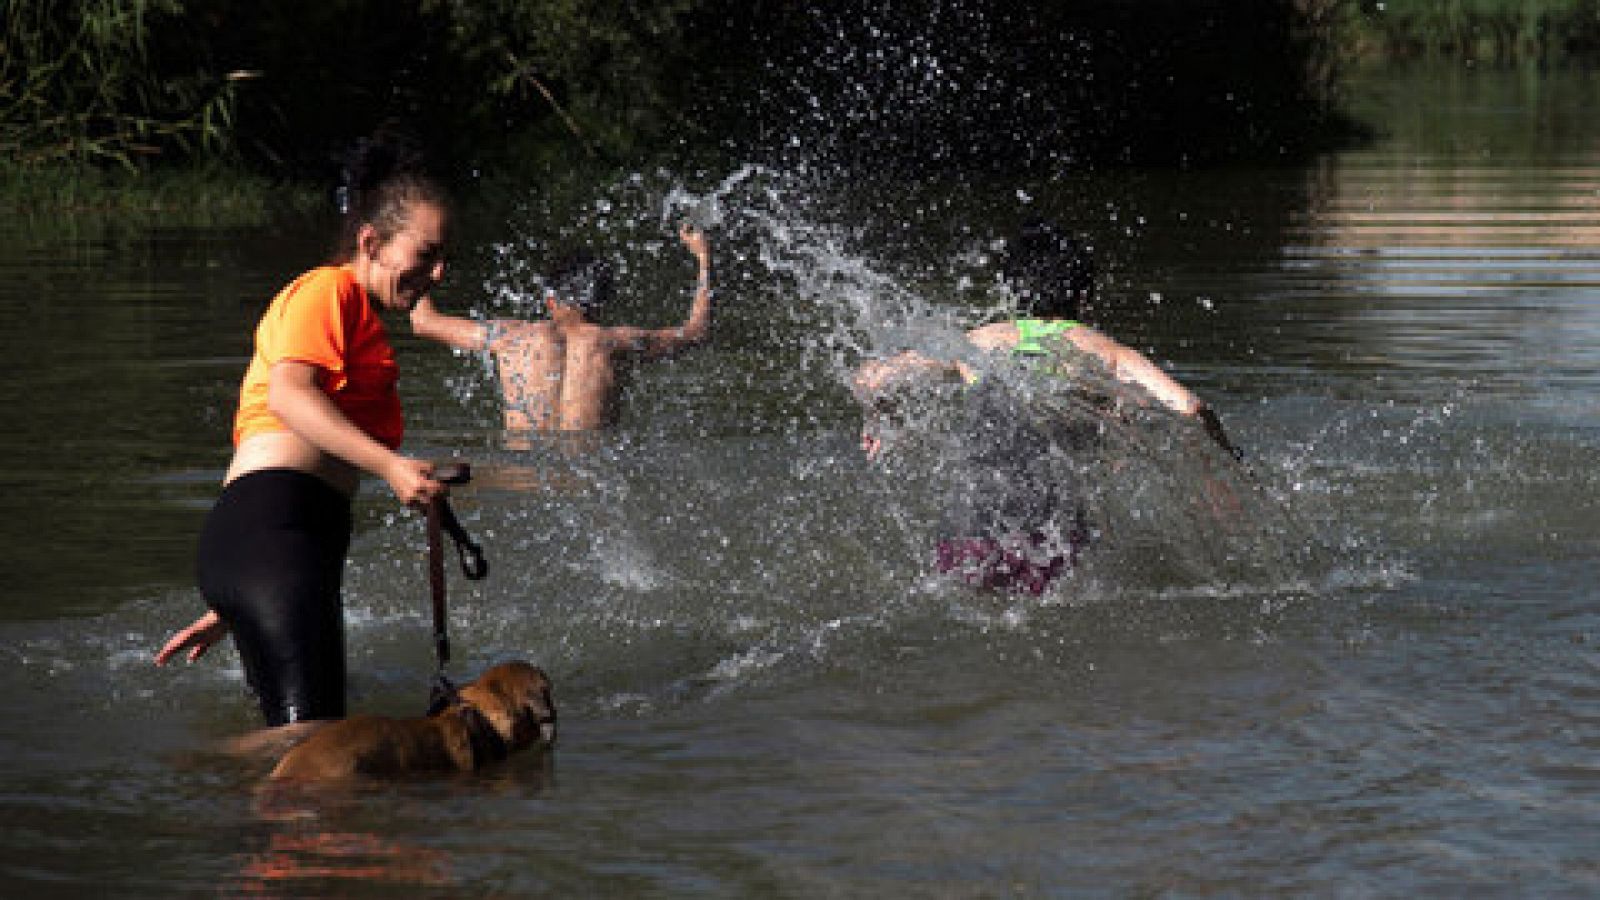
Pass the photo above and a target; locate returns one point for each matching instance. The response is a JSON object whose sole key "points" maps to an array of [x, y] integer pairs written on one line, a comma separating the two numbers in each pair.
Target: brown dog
{"points": [[506, 709]]}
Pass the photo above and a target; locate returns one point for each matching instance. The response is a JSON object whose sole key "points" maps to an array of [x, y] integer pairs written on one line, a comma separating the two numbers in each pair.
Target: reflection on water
{"points": [[1369, 675], [1462, 257], [337, 839], [297, 864]]}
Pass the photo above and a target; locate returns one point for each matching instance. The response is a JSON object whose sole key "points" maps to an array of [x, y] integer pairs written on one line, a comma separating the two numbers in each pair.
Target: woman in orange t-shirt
{"points": [[318, 407]]}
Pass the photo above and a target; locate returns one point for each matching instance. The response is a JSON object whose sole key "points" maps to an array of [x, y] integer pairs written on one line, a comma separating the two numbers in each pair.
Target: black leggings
{"points": [[271, 562]]}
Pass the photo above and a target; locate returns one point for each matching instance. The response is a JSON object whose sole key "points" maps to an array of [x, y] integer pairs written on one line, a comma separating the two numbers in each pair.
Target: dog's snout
{"points": [[544, 715]]}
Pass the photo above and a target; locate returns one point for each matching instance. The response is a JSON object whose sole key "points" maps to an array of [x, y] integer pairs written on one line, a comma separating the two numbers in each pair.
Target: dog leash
{"points": [[442, 519]]}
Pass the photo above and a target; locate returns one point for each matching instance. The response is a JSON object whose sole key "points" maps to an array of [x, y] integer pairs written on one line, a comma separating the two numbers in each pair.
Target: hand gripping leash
{"points": [[442, 518]]}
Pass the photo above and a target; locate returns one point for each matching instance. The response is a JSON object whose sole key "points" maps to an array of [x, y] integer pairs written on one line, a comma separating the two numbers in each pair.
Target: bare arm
{"points": [[873, 386], [1133, 367], [452, 331], [880, 385], [294, 397], [196, 638], [658, 342], [875, 375]]}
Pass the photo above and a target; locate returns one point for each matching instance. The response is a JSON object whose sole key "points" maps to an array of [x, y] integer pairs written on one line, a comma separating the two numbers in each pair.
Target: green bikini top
{"points": [[1032, 333]]}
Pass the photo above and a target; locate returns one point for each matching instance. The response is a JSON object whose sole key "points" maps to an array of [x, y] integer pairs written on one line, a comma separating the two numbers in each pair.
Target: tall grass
{"points": [[50, 198], [77, 87]]}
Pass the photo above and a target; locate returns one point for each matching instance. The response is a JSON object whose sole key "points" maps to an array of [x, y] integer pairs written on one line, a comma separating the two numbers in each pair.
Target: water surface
{"points": [[1382, 683]]}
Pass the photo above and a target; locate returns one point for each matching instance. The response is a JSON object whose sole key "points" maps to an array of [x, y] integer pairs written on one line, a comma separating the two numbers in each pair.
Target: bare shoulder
{"points": [[578, 335], [507, 331], [994, 336], [622, 338]]}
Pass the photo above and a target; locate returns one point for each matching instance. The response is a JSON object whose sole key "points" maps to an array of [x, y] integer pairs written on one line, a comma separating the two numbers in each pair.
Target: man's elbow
{"points": [[694, 333]]}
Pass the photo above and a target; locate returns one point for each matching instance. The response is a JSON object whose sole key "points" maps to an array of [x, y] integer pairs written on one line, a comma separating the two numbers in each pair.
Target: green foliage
{"points": [[77, 87], [607, 71], [467, 74], [1497, 30], [283, 88], [1324, 39]]}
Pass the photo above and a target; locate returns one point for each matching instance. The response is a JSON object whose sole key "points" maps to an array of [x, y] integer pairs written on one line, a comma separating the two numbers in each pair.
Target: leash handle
{"points": [[473, 563], [452, 473]]}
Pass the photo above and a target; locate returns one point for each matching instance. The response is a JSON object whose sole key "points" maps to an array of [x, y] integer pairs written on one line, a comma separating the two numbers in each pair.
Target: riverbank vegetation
{"points": [[108, 104], [1481, 31]]}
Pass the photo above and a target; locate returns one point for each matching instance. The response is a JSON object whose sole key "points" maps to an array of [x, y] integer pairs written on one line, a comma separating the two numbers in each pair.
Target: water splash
{"points": [[810, 294]]}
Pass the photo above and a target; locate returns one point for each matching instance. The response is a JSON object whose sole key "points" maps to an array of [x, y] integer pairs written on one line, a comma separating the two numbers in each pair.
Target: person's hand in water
{"points": [[1221, 499], [197, 637], [871, 444], [883, 386]]}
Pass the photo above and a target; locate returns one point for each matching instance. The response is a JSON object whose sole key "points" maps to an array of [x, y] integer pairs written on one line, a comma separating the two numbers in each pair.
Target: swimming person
{"points": [[561, 373], [1011, 519], [318, 406]]}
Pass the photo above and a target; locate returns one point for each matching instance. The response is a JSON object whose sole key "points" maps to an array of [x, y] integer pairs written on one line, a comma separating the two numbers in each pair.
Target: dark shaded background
{"points": [[919, 84]]}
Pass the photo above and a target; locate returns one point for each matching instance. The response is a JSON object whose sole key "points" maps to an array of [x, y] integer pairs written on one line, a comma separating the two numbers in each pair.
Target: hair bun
{"points": [[372, 160]]}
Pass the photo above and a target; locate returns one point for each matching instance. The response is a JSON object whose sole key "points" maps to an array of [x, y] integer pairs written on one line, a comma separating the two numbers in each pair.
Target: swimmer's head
{"points": [[1051, 273], [580, 279]]}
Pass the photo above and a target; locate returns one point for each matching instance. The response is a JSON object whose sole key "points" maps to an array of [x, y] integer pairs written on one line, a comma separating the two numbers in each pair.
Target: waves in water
{"points": [[1360, 662]]}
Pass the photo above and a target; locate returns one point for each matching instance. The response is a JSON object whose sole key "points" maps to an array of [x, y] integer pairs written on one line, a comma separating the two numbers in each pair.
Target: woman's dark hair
{"points": [[579, 278], [1052, 273], [380, 179]]}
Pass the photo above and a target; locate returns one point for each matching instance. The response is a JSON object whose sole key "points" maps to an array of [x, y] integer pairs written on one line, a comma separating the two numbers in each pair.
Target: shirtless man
{"points": [[560, 374]]}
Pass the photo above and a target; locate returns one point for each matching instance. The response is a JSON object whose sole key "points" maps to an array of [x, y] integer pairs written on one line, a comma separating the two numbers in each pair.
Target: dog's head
{"points": [[515, 698]]}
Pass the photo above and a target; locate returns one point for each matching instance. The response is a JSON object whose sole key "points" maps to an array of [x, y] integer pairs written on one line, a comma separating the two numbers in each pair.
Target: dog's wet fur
{"points": [[508, 708]]}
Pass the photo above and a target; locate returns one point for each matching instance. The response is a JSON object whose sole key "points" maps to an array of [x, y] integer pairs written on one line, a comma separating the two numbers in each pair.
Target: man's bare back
{"points": [[561, 374], [557, 378]]}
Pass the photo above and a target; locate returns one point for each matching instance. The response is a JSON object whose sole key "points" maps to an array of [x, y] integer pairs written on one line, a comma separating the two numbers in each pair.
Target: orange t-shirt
{"points": [[325, 319]]}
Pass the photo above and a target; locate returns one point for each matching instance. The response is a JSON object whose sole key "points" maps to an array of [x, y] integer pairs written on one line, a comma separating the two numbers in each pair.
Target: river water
{"points": [[1376, 676]]}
